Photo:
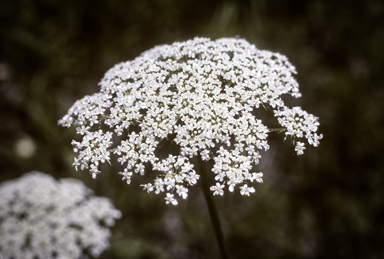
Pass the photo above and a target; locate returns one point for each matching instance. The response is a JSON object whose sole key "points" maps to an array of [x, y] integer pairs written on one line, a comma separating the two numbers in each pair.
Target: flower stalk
{"points": [[215, 220]]}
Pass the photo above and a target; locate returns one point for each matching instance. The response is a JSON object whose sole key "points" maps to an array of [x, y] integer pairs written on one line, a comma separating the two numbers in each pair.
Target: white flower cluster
{"points": [[43, 218], [201, 95]]}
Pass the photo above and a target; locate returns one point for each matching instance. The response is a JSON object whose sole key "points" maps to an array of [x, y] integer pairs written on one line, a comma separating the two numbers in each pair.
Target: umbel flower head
{"points": [[201, 95], [41, 218]]}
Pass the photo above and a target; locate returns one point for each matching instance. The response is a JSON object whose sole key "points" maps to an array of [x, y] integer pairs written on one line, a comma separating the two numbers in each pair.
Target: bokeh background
{"points": [[328, 203]]}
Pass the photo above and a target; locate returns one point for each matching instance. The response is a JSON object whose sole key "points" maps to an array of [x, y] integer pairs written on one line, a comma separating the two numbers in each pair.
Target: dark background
{"points": [[328, 203]]}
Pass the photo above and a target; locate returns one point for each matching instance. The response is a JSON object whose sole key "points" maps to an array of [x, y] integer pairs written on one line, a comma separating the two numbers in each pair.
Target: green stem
{"points": [[215, 220]]}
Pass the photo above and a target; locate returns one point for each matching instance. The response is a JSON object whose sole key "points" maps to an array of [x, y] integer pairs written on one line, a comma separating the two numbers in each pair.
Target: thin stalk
{"points": [[215, 220]]}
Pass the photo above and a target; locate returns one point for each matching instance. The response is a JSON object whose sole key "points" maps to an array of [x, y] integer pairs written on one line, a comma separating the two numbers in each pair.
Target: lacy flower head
{"points": [[41, 218], [200, 95]]}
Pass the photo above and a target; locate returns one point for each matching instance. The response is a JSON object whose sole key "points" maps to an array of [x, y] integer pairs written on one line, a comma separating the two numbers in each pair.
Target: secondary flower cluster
{"points": [[202, 95], [44, 218]]}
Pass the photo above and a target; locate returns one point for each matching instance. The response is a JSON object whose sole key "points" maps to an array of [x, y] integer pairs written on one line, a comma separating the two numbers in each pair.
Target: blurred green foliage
{"points": [[328, 203]]}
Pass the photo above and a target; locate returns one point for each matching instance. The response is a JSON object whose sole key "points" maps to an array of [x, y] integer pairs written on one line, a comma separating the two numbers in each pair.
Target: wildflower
{"points": [[148, 187], [218, 189], [126, 175], [257, 177], [44, 218], [182, 191], [170, 199], [299, 148], [202, 96], [245, 190]]}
